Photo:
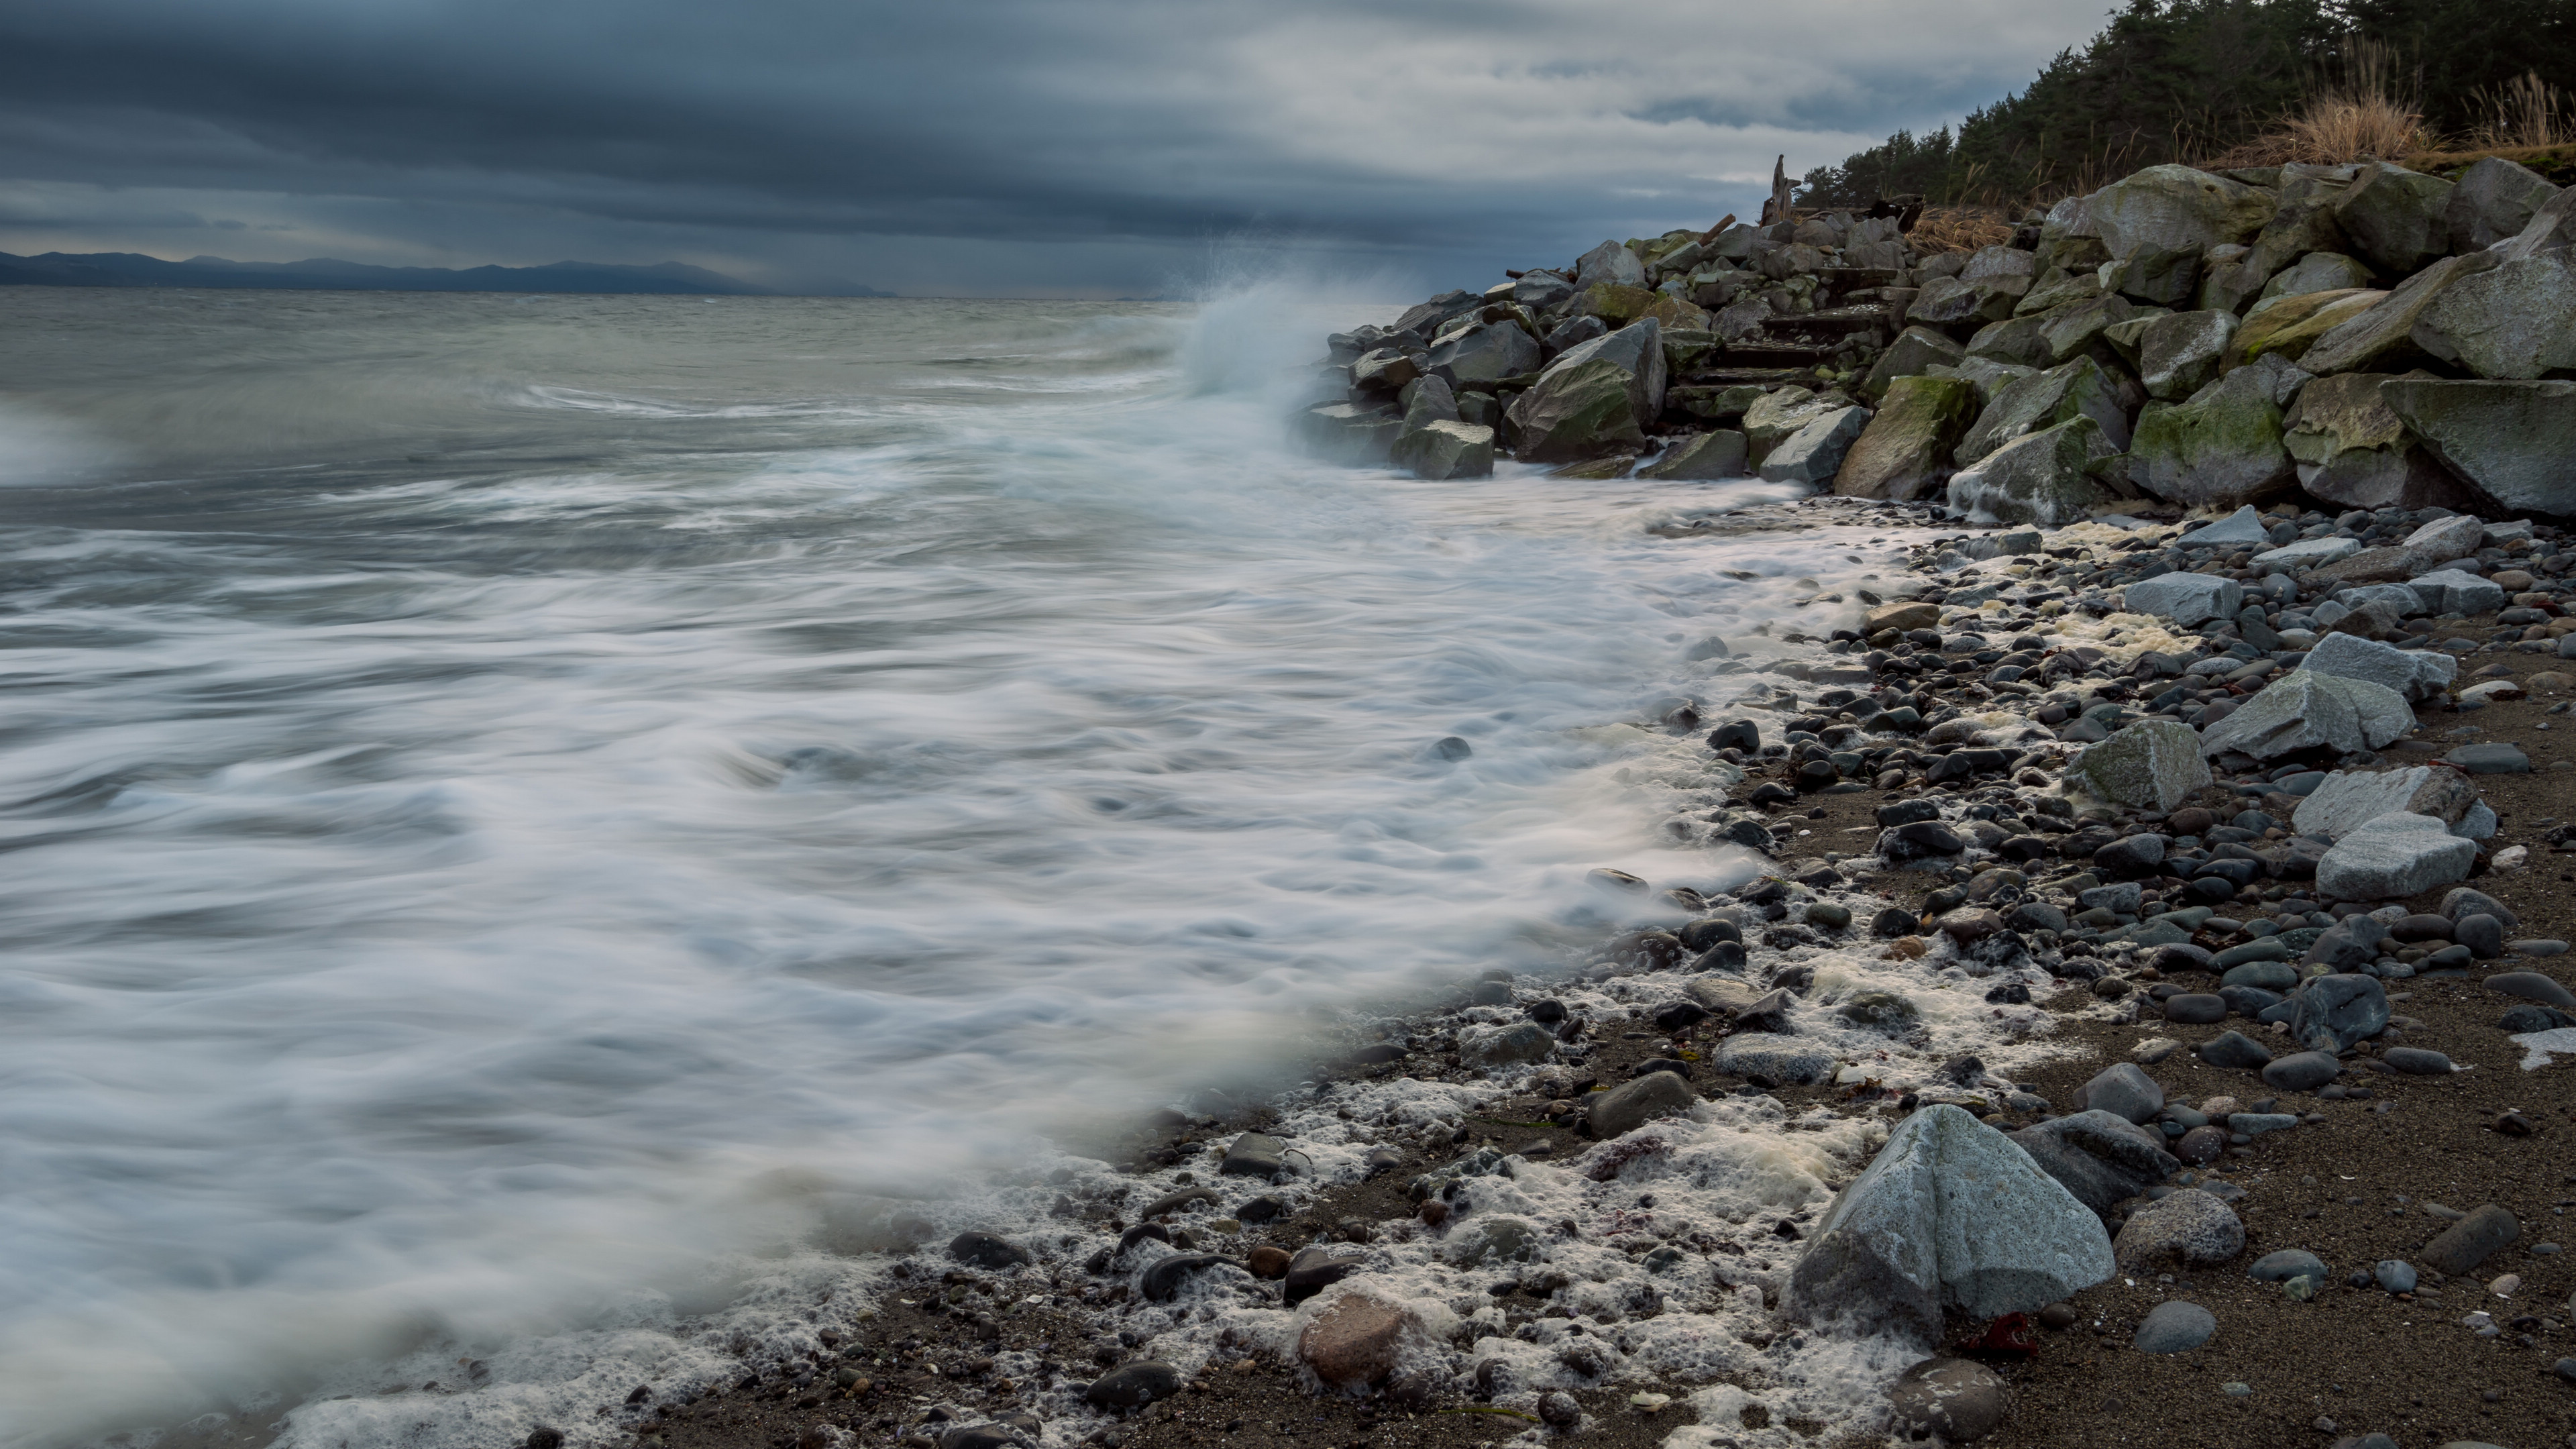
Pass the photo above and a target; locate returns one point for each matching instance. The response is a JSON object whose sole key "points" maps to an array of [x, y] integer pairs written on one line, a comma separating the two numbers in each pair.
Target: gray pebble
{"points": [[2175, 1327], [2417, 1062]]}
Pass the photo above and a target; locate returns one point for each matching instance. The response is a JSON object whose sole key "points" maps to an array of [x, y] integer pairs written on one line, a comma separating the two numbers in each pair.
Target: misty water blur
{"points": [[495, 786]]}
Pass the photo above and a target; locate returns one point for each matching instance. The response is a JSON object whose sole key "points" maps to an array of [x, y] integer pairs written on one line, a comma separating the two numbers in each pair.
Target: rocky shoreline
{"points": [[2128, 995], [1647, 1202]]}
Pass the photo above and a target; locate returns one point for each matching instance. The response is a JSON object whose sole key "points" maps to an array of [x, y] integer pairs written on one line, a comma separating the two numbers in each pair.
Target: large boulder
{"points": [[2290, 326], [1951, 1214], [2046, 478], [2019, 341], [2157, 276], [2493, 201], [1986, 375], [1577, 412], [1540, 290], [1609, 262], [1987, 289], [2179, 353], [2151, 765], [2190, 600], [2352, 449], [1347, 433], [2100, 1157], [1485, 351], [1814, 453], [1773, 418], [2223, 447], [2172, 208], [2396, 219], [2510, 440], [2043, 400], [1904, 453], [2076, 329], [2351, 799], [1429, 319], [2552, 228], [1915, 350], [2319, 272], [1637, 350], [2417, 674], [2303, 710], [2303, 225], [2383, 338], [2392, 857], [1446, 449], [1718, 453], [2516, 320], [1954, 301]]}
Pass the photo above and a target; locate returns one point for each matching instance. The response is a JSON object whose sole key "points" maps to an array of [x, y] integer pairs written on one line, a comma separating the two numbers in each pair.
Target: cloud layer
{"points": [[978, 146]]}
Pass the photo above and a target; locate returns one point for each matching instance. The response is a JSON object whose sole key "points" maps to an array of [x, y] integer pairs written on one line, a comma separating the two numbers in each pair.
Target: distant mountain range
{"points": [[132, 269]]}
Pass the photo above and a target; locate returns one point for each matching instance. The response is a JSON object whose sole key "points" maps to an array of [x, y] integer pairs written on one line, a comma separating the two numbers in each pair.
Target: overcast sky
{"points": [[959, 147]]}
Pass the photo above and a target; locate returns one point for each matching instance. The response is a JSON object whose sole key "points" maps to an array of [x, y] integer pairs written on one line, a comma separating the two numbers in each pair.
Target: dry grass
{"points": [[2557, 163], [1959, 229], [2525, 112], [2364, 111]]}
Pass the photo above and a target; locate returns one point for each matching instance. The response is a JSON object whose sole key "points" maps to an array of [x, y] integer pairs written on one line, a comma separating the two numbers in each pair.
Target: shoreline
{"points": [[1652, 1286], [1251, 1383]]}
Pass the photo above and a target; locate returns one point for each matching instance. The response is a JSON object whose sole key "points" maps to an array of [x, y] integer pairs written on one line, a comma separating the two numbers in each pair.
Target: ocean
{"points": [[518, 808]]}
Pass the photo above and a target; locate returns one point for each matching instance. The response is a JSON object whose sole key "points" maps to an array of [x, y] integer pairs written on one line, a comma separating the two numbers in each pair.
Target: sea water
{"points": [[514, 804]]}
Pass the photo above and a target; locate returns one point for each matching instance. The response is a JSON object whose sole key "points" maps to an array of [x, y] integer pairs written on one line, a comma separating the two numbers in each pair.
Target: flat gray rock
{"points": [[1951, 1214], [2175, 1327], [2457, 591], [2532, 986], [2187, 599], [2417, 1062], [2305, 711], [2301, 1071], [2394, 856], [2243, 528], [2350, 799], [2415, 673]]}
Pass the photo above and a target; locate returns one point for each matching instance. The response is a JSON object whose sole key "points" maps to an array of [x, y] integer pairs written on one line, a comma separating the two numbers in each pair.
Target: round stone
{"points": [[2175, 1327], [2287, 1263], [1954, 1398], [2195, 1009], [2301, 1071]]}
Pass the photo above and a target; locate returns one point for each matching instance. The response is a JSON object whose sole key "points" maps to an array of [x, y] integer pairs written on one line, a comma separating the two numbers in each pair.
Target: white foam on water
{"points": [[494, 915]]}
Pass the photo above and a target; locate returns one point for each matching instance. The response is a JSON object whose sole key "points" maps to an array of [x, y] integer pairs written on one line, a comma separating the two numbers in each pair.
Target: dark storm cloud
{"points": [[770, 127]]}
